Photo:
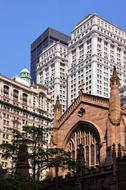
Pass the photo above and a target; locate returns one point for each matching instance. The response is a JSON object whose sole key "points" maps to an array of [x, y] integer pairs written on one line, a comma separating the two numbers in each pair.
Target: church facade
{"points": [[94, 122]]}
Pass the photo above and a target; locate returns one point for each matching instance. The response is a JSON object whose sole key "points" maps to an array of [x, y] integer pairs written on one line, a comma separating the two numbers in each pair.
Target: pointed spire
{"points": [[114, 100], [57, 112], [57, 115], [57, 106], [114, 79]]}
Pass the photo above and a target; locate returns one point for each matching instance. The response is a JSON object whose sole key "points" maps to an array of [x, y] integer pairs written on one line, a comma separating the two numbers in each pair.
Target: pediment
{"points": [[80, 102]]}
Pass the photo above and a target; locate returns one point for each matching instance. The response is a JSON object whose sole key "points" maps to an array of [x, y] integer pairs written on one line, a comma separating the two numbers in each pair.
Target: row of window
{"points": [[108, 33], [111, 28], [15, 94]]}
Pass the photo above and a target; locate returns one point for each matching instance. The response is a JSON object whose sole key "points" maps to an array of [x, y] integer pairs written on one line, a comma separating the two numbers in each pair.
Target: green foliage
{"points": [[40, 158], [57, 157], [9, 150], [18, 183], [34, 138]]}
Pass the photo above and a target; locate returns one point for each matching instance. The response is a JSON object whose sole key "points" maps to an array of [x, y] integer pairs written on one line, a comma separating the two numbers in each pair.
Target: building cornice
{"points": [[16, 84], [97, 32], [86, 19]]}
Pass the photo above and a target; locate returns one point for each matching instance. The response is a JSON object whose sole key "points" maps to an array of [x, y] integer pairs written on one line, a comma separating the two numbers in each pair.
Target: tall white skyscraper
{"points": [[52, 72], [95, 47]]}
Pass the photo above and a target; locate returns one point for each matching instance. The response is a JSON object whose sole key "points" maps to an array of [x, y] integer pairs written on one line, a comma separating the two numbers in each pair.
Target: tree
{"points": [[36, 140], [10, 150], [33, 138], [39, 156], [57, 158], [18, 183]]}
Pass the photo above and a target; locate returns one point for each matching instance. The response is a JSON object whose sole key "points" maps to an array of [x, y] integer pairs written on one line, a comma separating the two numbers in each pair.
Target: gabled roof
{"points": [[89, 99]]}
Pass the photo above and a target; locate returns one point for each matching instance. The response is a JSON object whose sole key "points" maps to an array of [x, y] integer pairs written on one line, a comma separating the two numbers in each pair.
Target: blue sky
{"points": [[21, 21]]}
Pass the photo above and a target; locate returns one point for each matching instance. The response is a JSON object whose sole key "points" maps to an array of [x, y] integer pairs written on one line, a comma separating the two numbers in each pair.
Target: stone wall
{"points": [[100, 178]]}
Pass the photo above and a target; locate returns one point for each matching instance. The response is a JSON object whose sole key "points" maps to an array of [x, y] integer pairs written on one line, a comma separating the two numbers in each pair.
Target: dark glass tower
{"points": [[43, 41]]}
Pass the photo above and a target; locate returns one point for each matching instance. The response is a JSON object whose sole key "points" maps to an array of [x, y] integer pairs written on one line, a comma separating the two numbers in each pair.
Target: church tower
{"points": [[114, 127], [114, 101], [57, 115]]}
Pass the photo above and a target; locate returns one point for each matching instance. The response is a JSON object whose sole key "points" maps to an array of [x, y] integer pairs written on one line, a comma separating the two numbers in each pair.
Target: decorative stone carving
{"points": [[81, 112]]}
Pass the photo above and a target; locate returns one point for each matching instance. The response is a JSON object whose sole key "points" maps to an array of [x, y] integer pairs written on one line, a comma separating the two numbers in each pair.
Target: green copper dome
{"points": [[25, 75]]}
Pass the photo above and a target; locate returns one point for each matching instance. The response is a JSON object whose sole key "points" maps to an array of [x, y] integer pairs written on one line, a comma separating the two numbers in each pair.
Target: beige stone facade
{"points": [[21, 105]]}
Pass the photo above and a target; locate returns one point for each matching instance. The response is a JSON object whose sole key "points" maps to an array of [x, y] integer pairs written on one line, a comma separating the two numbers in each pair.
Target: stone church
{"points": [[94, 122]]}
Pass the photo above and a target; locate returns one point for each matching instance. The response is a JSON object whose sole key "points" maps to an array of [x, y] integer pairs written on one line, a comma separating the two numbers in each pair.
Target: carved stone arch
{"points": [[86, 134], [101, 136]]}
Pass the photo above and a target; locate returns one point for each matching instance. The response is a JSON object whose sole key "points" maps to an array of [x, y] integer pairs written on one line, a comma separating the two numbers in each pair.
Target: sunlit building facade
{"points": [[96, 46], [52, 72], [21, 104]]}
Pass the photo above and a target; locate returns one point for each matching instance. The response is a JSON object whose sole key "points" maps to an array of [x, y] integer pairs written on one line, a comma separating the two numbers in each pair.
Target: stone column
{"points": [[94, 44]]}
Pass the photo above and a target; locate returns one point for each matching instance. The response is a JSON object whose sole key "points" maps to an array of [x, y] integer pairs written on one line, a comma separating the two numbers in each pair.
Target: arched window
{"points": [[15, 95], [71, 149], [87, 135], [24, 98], [92, 154], [6, 90], [87, 155]]}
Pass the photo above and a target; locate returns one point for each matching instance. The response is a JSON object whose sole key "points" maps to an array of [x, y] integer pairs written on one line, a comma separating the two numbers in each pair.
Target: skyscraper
{"points": [[52, 72], [43, 41], [96, 46]]}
